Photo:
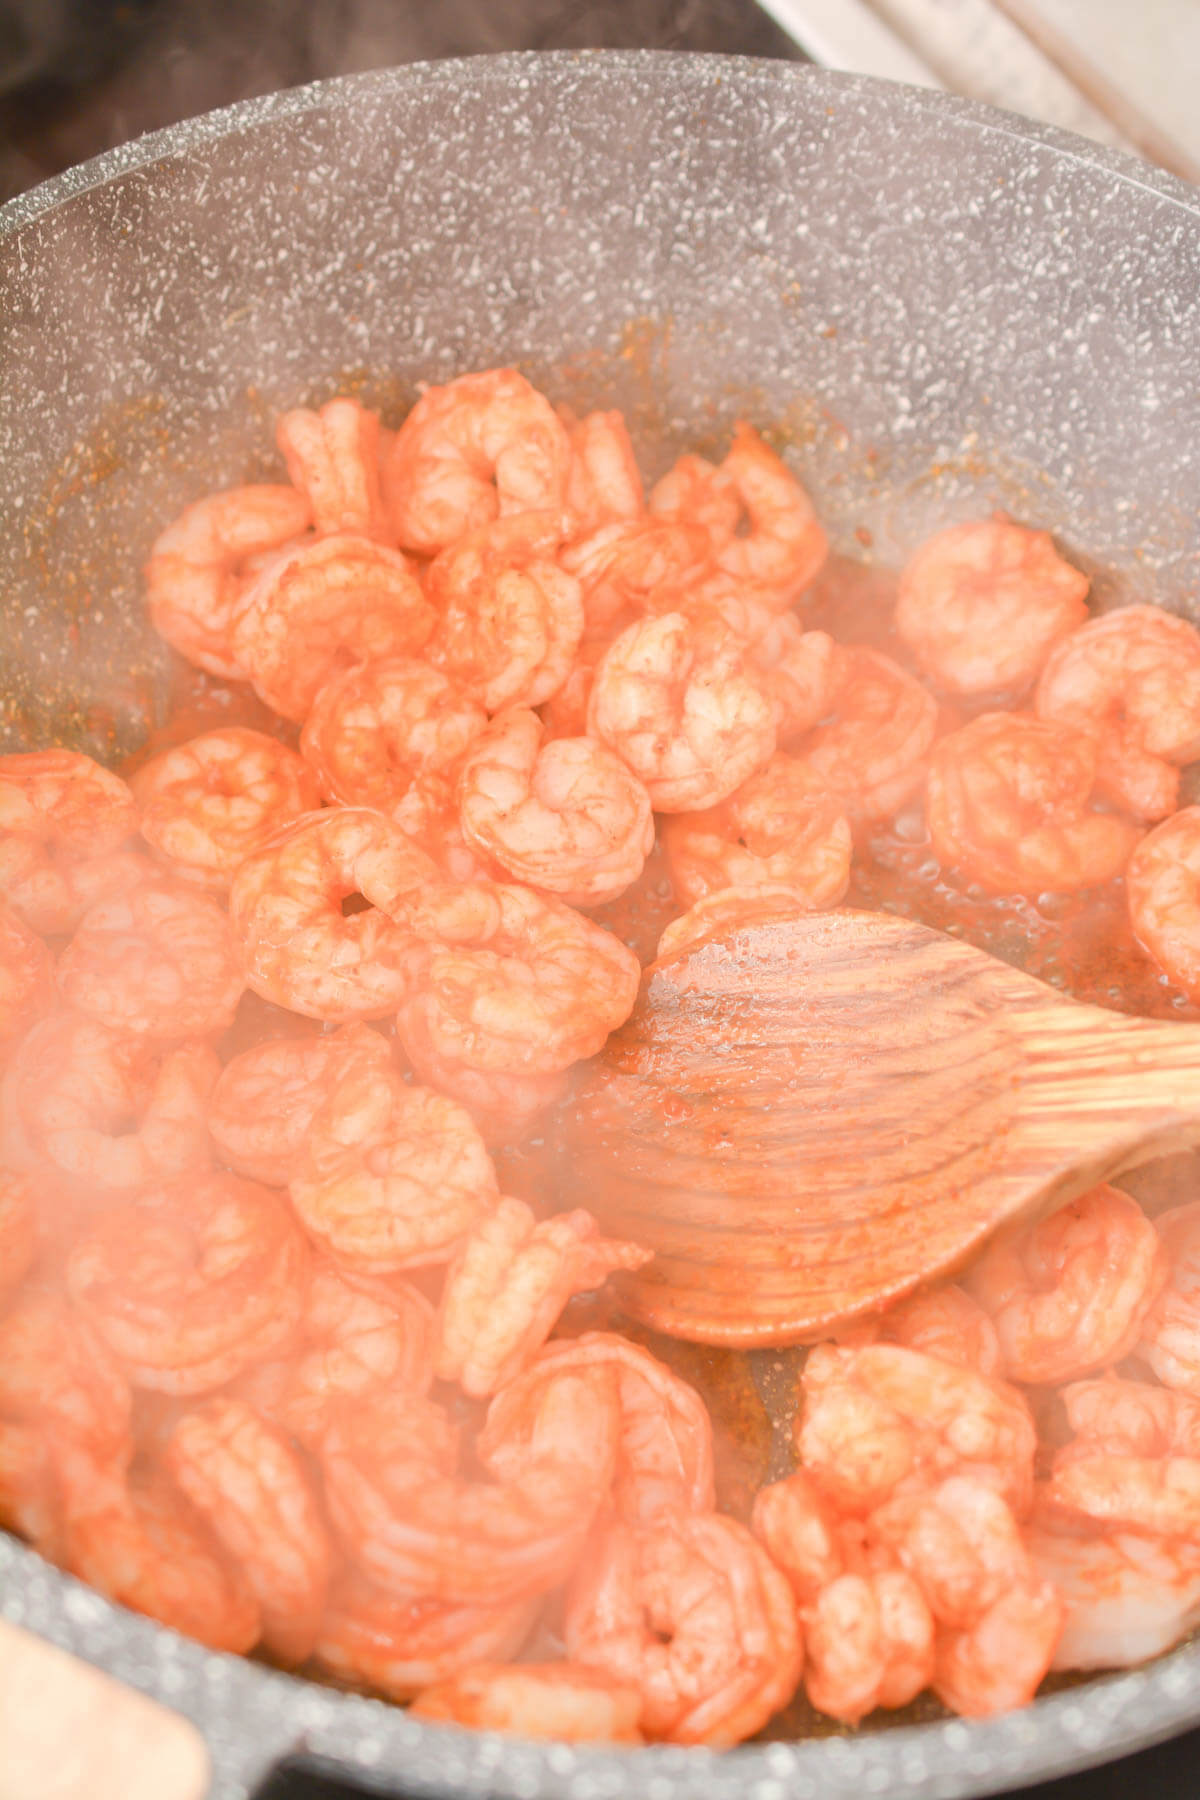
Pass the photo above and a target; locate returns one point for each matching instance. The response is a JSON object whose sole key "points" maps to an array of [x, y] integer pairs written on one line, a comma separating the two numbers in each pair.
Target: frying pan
{"points": [[938, 308]]}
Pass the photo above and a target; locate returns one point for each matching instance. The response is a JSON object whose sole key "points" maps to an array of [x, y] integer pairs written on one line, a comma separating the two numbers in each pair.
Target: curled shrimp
{"points": [[209, 803], [510, 620], [391, 1176], [507, 1283], [413, 1524], [770, 831], [1163, 885], [197, 572], [665, 1445], [561, 1701], [696, 491], [679, 705], [946, 1322], [870, 755], [728, 910], [869, 1642], [622, 567], [483, 445], [26, 975], [299, 945], [401, 1643], [319, 608], [1131, 682], [332, 458], [1127, 1598], [57, 1373], [566, 817], [802, 672], [799, 1528], [260, 1504], [160, 962], [267, 1097], [18, 1229], [1108, 1486], [1009, 804], [58, 809], [691, 1611], [982, 605], [1170, 1340], [1069, 1294], [603, 481], [105, 1110], [192, 1285], [375, 730]]}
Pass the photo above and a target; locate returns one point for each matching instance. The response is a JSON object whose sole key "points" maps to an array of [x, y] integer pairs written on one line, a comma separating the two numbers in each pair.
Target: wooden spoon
{"points": [[809, 1117]]}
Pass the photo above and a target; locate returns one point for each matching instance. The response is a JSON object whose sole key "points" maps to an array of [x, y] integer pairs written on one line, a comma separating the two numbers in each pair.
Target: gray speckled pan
{"points": [[946, 309]]}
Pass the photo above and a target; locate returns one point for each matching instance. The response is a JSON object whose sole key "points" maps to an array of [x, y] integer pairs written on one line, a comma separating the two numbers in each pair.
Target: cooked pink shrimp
{"points": [[800, 1530], [772, 830], [267, 1097], [1069, 1294], [194, 1284], [57, 809], [982, 605], [665, 1447], [332, 458], [603, 483], [697, 492], [1170, 1340], [1163, 884], [391, 1177], [876, 1418], [300, 946], [1008, 801], [869, 1641], [196, 574], [403, 1642], [728, 910], [104, 1109], [562, 1701], [415, 1525], [18, 1228], [784, 546], [1131, 682], [375, 730], [1127, 1597], [485, 444], [58, 1374], [26, 975], [260, 1504], [870, 755], [946, 1322], [1136, 1418], [160, 962], [623, 567], [319, 608], [532, 991], [507, 1283], [802, 672], [510, 620], [567, 817], [677, 702], [209, 803], [691, 1611], [1100, 1479]]}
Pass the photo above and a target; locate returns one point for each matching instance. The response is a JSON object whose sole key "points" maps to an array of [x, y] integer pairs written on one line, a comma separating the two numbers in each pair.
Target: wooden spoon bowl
{"points": [[809, 1117]]}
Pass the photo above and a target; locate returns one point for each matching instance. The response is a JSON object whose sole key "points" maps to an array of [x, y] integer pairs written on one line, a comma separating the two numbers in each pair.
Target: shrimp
{"points": [[677, 702], [1008, 803], [510, 620], [532, 991], [869, 757], [799, 1529], [57, 808], [869, 1642], [377, 731], [665, 1444], [566, 817], [1131, 682], [391, 1177], [726, 911], [193, 1284], [801, 671], [18, 1229], [1069, 1294], [160, 963], [104, 1110], [784, 546], [770, 831], [58, 1374], [259, 1502], [209, 803], [982, 605], [267, 1097], [561, 1701], [691, 1611], [1163, 885], [1127, 1598], [623, 567], [1170, 1340], [320, 607], [26, 975], [1101, 1482], [401, 1643], [196, 574], [299, 944], [695, 491], [884, 1418], [414, 1525], [1132, 1418], [507, 1283], [484, 445], [332, 458], [948, 1323], [603, 482]]}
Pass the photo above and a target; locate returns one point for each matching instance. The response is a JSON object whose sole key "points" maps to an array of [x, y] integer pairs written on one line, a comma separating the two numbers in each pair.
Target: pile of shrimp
{"points": [[284, 1367]]}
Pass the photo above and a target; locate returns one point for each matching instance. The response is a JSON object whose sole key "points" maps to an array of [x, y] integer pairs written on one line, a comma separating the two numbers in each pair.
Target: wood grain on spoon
{"points": [[809, 1117]]}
